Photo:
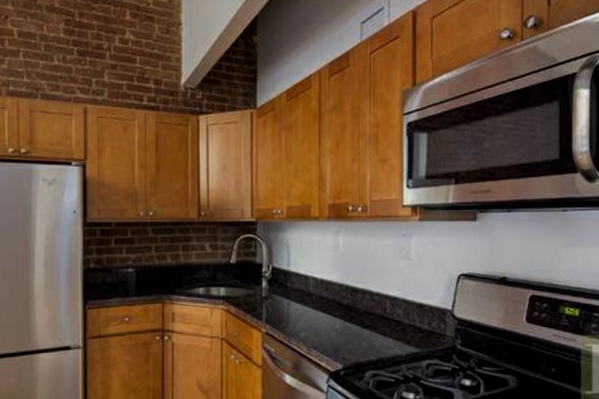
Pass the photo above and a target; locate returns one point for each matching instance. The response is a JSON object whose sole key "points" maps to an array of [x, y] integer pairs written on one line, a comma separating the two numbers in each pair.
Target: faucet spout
{"points": [[266, 262]]}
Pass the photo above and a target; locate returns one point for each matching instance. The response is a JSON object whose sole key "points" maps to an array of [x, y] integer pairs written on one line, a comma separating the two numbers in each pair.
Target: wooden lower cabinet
{"points": [[192, 367], [125, 367], [242, 378], [186, 356]]}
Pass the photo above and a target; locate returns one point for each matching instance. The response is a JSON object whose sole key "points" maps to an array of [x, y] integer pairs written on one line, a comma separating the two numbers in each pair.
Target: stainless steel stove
{"points": [[514, 339]]}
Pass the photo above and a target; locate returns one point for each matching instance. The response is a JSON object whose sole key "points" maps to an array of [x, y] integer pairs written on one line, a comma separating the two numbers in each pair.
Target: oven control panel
{"points": [[564, 315]]}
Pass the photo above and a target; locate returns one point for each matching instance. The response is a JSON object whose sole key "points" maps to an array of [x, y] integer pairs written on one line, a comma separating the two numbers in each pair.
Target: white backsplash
{"points": [[421, 261]]}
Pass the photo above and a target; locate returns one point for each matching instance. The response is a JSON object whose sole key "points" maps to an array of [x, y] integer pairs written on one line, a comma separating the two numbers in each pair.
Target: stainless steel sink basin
{"points": [[218, 291]]}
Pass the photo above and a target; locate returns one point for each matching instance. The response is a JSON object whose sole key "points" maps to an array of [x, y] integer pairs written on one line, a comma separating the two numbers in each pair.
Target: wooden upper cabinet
{"points": [[301, 148], [551, 14], [343, 122], [116, 164], [192, 367], [390, 70], [226, 166], [8, 126], [126, 366], [172, 166], [268, 161], [451, 33]]}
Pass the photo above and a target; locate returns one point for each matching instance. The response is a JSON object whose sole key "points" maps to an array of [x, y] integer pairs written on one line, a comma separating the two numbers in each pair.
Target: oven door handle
{"points": [[581, 122], [291, 380]]}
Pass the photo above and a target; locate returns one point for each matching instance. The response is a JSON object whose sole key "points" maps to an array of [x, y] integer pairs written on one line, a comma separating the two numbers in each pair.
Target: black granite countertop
{"points": [[330, 333]]}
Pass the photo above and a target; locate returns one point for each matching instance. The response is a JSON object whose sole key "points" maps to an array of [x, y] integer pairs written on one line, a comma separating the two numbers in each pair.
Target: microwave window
{"points": [[520, 134], [524, 136]]}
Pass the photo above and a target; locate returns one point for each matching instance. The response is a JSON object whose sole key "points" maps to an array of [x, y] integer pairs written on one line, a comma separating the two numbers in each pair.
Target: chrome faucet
{"points": [[266, 265]]}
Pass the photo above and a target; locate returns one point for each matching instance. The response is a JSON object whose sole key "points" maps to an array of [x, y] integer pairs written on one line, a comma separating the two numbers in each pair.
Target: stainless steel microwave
{"points": [[516, 129]]}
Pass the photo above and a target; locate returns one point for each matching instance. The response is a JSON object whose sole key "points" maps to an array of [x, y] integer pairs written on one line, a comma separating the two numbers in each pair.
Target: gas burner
{"points": [[409, 391]]}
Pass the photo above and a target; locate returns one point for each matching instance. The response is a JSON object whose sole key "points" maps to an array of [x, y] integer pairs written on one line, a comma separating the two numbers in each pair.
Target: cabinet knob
{"points": [[279, 211], [23, 151], [126, 319], [167, 338], [158, 338], [506, 34], [151, 213], [12, 151], [351, 208], [203, 213], [142, 214], [532, 22]]}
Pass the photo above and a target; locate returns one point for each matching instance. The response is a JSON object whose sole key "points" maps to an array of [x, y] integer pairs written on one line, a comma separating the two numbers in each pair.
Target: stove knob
{"points": [[409, 395]]}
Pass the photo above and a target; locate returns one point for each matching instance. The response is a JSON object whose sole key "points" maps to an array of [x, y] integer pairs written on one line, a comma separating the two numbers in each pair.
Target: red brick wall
{"points": [[110, 245], [115, 52]]}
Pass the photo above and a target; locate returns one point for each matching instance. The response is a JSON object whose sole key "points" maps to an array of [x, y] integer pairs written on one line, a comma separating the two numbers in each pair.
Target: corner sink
{"points": [[219, 291]]}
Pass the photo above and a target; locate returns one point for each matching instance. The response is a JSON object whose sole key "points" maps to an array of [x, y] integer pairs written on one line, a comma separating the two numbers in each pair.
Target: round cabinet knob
{"points": [[158, 338], [506, 34], [351, 208], [167, 338], [203, 213], [151, 213], [23, 151], [126, 319], [532, 22], [279, 211], [274, 211], [142, 214], [12, 151]]}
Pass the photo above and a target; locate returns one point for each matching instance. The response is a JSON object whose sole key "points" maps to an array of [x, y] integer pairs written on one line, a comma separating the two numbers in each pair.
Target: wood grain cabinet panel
{"points": [[269, 195], [452, 33], [551, 14], [192, 367], [244, 337], [172, 159], [242, 378], [390, 72], [301, 149], [127, 366], [116, 164], [343, 121], [124, 319], [9, 139], [51, 130], [226, 166], [193, 319]]}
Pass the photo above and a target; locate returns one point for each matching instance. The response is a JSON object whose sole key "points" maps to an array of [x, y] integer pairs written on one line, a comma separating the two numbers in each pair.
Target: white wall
{"points": [[558, 247], [296, 38], [209, 29]]}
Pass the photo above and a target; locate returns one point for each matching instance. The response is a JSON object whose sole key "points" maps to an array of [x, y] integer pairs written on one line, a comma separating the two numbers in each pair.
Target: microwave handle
{"points": [[581, 123]]}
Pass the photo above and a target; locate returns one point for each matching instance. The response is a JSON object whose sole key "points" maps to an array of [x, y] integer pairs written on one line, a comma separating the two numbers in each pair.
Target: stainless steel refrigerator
{"points": [[41, 299]]}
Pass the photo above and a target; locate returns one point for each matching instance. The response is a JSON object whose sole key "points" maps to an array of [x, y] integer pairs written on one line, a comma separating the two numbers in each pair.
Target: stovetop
{"points": [[447, 374]]}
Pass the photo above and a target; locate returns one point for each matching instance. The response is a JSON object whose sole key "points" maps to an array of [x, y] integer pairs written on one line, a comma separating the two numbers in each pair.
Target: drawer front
{"points": [[244, 337], [193, 319], [124, 319]]}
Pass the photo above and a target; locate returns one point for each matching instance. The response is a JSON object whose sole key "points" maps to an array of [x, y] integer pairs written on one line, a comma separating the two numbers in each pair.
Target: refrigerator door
{"points": [[41, 299], [53, 375]]}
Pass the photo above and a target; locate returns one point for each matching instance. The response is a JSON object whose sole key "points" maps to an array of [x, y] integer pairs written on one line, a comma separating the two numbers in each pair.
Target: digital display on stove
{"points": [[570, 311], [564, 315]]}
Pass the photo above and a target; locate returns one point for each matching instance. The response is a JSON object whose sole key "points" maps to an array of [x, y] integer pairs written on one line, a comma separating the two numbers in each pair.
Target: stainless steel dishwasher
{"points": [[286, 374]]}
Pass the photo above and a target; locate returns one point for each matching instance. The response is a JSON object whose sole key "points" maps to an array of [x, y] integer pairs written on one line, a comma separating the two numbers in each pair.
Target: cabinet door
{"points": [[452, 33], [172, 159], [8, 126], [343, 123], [268, 161], [390, 66], [192, 367], [301, 142], [51, 130], [242, 378], [226, 166], [562, 12], [126, 366], [115, 169]]}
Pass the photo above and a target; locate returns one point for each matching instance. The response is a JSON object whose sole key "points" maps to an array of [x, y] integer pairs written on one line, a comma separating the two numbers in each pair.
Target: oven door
{"points": [[527, 142]]}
